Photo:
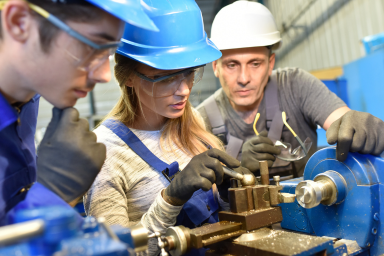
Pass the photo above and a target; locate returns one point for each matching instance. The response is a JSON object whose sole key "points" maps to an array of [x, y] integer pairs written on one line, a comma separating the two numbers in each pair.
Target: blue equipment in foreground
{"points": [[54, 231], [339, 200]]}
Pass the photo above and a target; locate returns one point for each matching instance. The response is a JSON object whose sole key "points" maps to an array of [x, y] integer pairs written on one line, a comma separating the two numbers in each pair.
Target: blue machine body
{"points": [[357, 217], [62, 236]]}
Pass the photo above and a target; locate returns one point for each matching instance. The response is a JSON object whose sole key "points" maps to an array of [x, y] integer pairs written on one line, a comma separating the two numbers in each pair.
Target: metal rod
{"points": [[14, 233], [232, 173]]}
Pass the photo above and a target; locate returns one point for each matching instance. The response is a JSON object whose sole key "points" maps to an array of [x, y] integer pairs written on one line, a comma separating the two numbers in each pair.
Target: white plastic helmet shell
{"points": [[244, 24]]}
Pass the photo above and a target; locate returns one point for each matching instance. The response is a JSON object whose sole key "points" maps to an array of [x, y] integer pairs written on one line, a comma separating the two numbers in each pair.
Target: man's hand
{"points": [[259, 148], [225, 185], [356, 132], [69, 158], [203, 170]]}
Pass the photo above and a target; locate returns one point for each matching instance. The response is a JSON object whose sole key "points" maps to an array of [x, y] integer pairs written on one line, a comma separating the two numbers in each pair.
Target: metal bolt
{"points": [[376, 217], [368, 244], [276, 179], [374, 231]]}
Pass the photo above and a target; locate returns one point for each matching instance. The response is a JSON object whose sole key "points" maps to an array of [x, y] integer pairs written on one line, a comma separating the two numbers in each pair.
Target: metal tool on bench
{"points": [[253, 206]]}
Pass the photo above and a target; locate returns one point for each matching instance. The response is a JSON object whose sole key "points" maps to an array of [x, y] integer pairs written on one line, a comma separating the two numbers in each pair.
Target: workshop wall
{"points": [[319, 34]]}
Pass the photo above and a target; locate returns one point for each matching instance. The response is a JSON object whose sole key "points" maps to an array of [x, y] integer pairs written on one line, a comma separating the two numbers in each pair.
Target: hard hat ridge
{"points": [[181, 42], [245, 24]]}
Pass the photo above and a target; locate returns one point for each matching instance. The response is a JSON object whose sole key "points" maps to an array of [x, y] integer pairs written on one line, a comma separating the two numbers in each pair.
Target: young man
{"points": [[59, 50], [246, 34]]}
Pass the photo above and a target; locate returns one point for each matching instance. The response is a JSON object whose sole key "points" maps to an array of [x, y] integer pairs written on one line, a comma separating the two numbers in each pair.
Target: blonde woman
{"points": [[159, 169]]}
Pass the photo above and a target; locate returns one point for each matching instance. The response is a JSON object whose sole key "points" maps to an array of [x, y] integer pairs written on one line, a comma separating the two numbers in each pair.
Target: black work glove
{"points": [[225, 185], [201, 172], [69, 158], [356, 132], [258, 148]]}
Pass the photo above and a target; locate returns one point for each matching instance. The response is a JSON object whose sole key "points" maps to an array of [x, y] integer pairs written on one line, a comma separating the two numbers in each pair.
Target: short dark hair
{"points": [[84, 12]]}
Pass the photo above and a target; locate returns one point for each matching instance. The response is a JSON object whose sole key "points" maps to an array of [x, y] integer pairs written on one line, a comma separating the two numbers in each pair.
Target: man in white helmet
{"points": [[246, 34]]}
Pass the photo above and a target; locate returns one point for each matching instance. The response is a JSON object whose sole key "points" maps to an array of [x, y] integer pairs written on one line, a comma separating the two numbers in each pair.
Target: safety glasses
{"points": [[287, 153], [164, 86], [88, 56]]}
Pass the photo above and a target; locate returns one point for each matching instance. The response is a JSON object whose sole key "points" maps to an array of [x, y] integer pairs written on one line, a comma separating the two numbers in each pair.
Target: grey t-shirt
{"points": [[305, 99]]}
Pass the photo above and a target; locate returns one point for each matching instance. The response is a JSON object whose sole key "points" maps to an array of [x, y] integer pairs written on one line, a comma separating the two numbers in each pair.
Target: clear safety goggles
{"points": [[287, 153], [84, 53], [164, 86]]}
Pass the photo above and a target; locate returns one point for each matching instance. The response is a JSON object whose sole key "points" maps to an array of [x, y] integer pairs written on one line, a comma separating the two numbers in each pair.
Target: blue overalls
{"points": [[202, 208], [18, 162]]}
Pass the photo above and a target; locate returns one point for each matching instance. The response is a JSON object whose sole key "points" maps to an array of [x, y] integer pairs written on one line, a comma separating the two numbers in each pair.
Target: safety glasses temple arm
{"points": [[61, 25], [294, 134], [255, 122], [165, 77]]}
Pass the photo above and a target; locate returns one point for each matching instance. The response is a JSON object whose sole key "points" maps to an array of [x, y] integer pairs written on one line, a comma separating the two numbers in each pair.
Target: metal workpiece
{"points": [[264, 172], [339, 190], [17, 232], [178, 240], [245, 179], [140, 237], [327, 188]]}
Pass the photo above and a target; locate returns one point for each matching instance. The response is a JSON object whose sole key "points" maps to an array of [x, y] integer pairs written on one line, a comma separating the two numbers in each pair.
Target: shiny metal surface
{"points": [[140, 237], [287, 198], [322, 189], [264, 172], [15, 233], [181, 240], [245, 179]]}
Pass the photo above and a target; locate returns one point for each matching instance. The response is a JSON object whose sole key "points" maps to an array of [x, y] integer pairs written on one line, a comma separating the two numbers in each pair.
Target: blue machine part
{"points": [[357, 217], [62, 236], [365, 83], [373, 43]]}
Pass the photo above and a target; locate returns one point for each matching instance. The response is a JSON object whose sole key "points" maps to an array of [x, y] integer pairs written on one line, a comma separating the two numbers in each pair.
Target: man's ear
{"points": [[215, 68], [271, 63], [16, 20]]}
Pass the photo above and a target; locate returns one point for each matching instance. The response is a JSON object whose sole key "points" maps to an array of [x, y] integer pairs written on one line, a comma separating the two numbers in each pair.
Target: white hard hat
{"points": [[244, 24]]}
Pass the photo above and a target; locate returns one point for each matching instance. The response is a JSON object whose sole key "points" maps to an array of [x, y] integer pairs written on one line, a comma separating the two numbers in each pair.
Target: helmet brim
{"points": [[170, 58]]}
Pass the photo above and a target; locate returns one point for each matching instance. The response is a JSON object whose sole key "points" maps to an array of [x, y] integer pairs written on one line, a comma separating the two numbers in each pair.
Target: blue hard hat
{"points": [[129, 11], [181, 41]]}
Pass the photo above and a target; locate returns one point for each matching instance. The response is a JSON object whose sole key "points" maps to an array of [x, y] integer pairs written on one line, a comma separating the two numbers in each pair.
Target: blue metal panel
{"points": [[294, 216], [338, 87], [365, 78]]}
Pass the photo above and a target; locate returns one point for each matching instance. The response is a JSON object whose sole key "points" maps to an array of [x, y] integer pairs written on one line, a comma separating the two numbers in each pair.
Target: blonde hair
{"points": [[186, 132]]}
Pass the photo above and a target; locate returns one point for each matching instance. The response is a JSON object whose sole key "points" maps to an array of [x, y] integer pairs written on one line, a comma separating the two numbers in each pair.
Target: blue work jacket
{"points": [[17, 152], [18, 162]]}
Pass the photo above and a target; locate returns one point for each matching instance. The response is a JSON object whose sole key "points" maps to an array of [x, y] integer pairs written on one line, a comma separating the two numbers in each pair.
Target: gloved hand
{"points": [[225, 185], [356, 132], [69, 158], [201, 172], [257, 149]]}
